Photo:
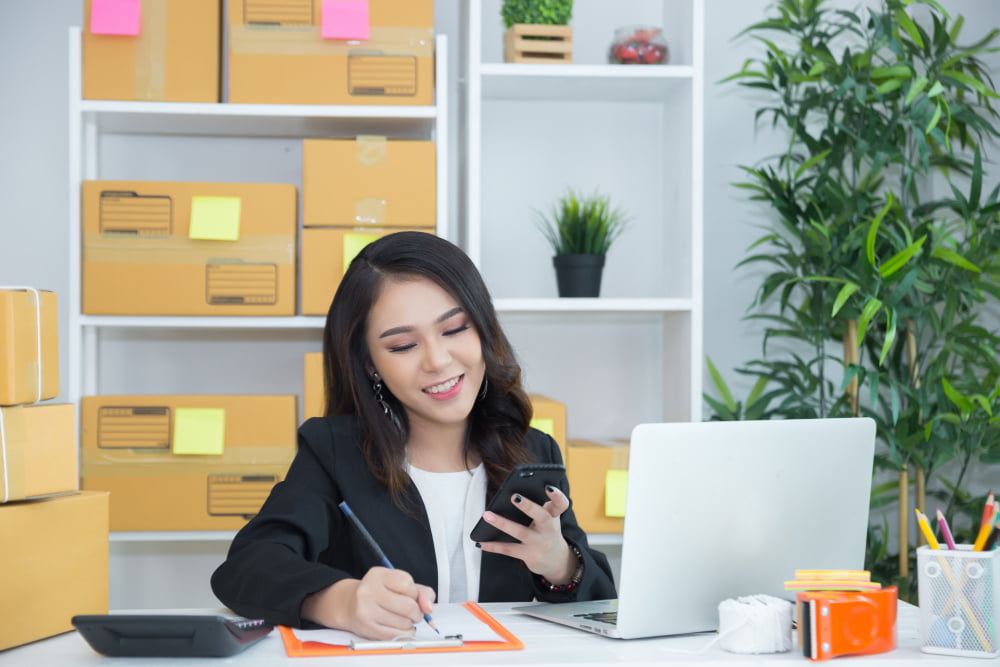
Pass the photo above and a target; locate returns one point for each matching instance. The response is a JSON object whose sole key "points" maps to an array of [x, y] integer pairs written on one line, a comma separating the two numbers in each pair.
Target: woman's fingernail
{"points": [[550, 488], [490, 516], [478, 545], [517, 497]]}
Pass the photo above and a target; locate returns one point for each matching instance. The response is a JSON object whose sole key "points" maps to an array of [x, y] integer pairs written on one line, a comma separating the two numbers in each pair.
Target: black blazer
{"points": [[300, 542]]}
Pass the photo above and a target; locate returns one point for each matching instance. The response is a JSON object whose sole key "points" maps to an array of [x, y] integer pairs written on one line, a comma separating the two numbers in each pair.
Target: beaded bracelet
{"points": [[574, 581]]}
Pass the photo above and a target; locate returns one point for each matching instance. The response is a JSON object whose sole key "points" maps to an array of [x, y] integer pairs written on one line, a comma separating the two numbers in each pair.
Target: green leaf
{"points": [[896, 262], [869, 311], [889, 86], [845, 293], [934, 119], [953, 257], [873, 230], [915, 89], [906, 23], [721, 387], [810, 162], [935, 90], [890, 336], [961, 402]]}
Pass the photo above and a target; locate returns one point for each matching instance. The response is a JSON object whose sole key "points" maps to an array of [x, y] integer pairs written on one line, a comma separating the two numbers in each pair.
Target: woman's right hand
{"points": [[384, 604]]}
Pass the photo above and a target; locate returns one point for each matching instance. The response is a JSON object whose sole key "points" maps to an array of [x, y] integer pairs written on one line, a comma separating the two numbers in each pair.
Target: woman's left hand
{"points": [[543, 549]]}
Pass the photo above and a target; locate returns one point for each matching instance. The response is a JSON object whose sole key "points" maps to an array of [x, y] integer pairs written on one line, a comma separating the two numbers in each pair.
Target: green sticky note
{"points": [[199, 430], [353, 243], [215, 218], [546, 426], [615, 483]]}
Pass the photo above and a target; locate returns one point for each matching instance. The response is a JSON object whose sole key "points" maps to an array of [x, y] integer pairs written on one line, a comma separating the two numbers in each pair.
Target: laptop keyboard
{"points": [[609, 617]]}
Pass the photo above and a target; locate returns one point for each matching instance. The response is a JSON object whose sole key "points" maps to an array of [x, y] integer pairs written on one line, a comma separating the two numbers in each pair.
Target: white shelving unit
{"points": [[633, 132], [205, 355]]}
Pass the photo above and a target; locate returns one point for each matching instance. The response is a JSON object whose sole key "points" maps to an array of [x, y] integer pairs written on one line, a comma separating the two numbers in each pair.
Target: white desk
{"points": [[546, 644]]}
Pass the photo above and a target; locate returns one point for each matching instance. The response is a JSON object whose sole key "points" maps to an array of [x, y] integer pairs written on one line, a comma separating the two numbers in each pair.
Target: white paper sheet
{"points": [[450, 619]]}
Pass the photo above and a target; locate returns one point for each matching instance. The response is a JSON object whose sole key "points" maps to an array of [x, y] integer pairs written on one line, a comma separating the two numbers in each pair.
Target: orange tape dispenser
{"points": [[840, 623]]}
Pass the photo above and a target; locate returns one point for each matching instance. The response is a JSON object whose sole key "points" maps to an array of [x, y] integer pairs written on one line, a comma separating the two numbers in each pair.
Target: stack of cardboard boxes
{"points": [[161, 248], [54, 560]]}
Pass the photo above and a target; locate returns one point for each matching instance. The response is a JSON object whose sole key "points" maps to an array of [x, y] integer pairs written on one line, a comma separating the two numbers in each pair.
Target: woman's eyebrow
{"points": [[407, 329]]}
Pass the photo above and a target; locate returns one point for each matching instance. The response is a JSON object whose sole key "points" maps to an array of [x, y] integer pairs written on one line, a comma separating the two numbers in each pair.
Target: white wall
{"points": [[33, 171]]}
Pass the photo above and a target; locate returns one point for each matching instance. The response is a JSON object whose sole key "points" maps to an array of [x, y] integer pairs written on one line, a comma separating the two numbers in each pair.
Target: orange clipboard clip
{"points": [[295, 648], [836, 623]]}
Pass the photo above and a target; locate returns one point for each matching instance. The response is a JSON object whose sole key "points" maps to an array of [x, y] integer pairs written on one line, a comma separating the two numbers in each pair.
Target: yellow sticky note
{"points": [[353, 243], [199, 430], [546, 426], [615, 483], [215, 218]]}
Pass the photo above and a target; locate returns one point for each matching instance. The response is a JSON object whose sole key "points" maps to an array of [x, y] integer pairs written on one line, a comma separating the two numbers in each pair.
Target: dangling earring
{"points": [[377, 388], [482, 392]]}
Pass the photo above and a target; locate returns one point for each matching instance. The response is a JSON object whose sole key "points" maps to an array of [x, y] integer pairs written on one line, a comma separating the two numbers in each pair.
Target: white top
{"points": [[455, 501]]}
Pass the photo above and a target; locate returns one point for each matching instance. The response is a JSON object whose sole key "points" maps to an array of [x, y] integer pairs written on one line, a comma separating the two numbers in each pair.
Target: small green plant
{"points": [[539, 12], [582, 224]]}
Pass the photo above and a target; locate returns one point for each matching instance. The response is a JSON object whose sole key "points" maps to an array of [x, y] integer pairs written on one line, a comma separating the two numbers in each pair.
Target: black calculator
{"points": [[170, 635]]}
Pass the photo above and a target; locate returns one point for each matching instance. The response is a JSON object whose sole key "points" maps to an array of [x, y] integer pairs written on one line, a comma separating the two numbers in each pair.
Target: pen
{"points": [[346, 509], [925, 527], [945, 531]]}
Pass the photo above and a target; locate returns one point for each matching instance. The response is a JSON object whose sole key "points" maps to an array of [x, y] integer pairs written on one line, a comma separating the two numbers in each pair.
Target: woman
{"points": [[425, 417]]}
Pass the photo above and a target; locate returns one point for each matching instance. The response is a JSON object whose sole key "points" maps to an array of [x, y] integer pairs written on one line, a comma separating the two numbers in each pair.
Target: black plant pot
{"points": [[579, 275]]}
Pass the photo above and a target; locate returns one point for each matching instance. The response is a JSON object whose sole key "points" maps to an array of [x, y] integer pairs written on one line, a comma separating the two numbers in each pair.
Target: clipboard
{"points": [[294, 648]]}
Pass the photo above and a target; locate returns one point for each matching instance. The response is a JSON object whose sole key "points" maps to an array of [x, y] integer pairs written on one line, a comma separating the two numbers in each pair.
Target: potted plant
{"points": [[537, 31], [866, 267], [581, 229]]}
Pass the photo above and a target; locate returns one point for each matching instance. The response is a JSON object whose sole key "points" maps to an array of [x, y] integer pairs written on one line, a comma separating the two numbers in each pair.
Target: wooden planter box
{"points": [[529, 43]]}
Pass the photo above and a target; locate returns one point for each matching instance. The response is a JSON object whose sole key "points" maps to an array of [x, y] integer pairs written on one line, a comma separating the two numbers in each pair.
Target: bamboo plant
{"points": [[882, 259]]}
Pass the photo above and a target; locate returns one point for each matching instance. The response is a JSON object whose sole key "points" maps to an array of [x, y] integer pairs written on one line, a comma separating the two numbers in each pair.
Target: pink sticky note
{"points": [[345, 19], [115, 17]]}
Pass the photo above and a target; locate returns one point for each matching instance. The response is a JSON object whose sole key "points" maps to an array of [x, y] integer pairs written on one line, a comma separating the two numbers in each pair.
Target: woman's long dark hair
{"points": [[498, 423]]}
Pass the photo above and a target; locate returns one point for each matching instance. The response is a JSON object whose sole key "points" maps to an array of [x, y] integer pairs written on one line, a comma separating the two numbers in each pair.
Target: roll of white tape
{"points": [[755, 624]]}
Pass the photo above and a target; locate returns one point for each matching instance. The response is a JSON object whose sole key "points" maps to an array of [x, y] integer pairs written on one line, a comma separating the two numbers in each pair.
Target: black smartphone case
{"points": [[527, 479]]}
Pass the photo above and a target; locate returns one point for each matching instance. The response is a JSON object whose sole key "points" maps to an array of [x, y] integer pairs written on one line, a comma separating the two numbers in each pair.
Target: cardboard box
{"points": [[276, 54], [169, 248], [173, 56], [549, 415], [368, 181], [39, 453], [587, 466], [185, 462], [326, 253], [29, 346], [54, 565], [314, 393]]}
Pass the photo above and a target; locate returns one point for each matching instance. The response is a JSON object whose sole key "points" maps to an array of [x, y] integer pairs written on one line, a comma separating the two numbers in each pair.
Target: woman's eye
{"points": [[401, 348], [456, 330]]}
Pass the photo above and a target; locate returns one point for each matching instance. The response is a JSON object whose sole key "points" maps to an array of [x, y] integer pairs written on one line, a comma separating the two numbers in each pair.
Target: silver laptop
{"points": [[720, 510]]}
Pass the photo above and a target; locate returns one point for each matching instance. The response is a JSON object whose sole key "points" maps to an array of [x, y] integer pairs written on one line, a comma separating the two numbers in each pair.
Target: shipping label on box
{"points": [[597, 472], [326, 254], [38, 452], [156, 50], [368, 181], [386, 57], [29, 345], [57, 566], [186, 462], [170, 248]]}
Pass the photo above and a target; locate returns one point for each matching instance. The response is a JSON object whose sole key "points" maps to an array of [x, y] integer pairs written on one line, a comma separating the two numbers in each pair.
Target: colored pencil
{"points": [[945, 530], [925, 528]]}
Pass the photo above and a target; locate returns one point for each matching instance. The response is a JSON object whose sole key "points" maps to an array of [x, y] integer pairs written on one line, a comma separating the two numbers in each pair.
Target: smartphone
{"points": [[527, 479]]}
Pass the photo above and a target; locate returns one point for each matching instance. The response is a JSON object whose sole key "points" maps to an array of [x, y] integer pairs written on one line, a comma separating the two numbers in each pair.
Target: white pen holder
{"points": [[959, 601]]}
